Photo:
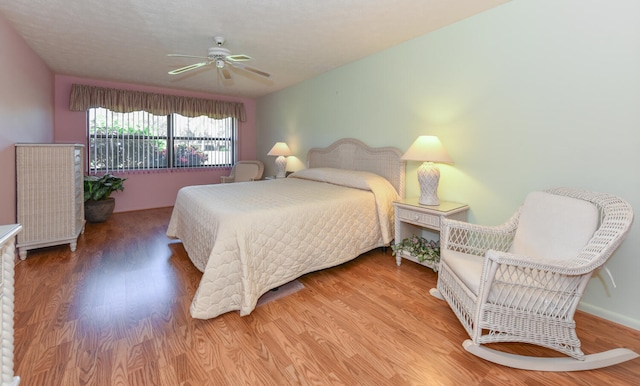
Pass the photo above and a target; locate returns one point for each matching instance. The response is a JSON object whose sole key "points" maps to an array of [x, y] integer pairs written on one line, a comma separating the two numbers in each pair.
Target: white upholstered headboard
{"points": [[352, 154]]}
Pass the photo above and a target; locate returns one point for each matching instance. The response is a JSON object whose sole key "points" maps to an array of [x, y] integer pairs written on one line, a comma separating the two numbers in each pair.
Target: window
{"points": [[142, 141]]}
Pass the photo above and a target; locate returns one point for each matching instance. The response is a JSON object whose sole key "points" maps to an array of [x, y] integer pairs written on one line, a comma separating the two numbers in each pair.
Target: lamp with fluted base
{"points": [[429, 149], [281, 150]]}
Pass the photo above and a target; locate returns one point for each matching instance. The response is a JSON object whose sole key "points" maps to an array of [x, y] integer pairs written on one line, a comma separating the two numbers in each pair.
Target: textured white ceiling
{"points": [[128, 40]]}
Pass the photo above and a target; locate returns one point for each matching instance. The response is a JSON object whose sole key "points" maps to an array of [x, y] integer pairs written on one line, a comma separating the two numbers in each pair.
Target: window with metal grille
{"points": [[139, 140]]}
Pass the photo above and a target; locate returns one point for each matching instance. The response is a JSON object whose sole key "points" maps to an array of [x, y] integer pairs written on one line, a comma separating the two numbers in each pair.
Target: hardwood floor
{"points": [[116, 312]]}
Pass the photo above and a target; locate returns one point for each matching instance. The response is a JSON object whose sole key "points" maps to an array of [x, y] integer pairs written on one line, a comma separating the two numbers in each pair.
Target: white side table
{"points": [[411, 218], [8, 255]]}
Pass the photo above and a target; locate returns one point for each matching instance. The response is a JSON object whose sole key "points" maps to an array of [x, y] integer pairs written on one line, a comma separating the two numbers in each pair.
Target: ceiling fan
{"points": [[220, 57]]}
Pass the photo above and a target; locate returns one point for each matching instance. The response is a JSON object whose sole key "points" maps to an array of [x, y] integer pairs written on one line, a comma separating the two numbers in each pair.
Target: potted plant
{"points": [[98, 203], [425, 251]]}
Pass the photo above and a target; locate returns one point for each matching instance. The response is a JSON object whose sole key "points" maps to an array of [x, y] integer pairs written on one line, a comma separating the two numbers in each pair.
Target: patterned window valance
{"points": [[125, 101]]}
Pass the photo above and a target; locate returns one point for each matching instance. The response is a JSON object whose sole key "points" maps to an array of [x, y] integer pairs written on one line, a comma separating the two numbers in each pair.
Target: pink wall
{"points": [[157, 189], [26, 109]]}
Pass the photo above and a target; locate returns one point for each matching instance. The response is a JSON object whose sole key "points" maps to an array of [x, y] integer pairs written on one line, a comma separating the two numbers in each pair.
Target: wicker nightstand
{"points": [[411, 218]]}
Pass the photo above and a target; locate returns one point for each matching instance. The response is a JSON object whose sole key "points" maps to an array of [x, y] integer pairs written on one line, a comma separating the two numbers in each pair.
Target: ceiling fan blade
{"points": [[251, 69], [186, 56], [239, 58], [226, 74], [258, 72], [187, 68]]}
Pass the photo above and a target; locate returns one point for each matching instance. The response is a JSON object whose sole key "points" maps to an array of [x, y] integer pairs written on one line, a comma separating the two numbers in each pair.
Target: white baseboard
{"points": [[609, 315]]}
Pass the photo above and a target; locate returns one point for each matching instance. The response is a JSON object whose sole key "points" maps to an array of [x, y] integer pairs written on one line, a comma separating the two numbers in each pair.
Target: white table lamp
{"points": [[429, 149], [281, 150]]}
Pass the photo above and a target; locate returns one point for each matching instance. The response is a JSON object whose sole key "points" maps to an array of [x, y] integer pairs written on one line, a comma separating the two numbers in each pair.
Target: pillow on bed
{"points": [[351, 178], [382, 189]]}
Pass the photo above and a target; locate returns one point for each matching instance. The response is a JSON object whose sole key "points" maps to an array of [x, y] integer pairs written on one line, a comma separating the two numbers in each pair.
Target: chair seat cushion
{"points": [[526, 293], [553, 226], [468, 268]]}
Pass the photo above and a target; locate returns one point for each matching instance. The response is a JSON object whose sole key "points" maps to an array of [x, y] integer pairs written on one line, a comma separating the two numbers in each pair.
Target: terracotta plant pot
{"points": [[99, 211]]}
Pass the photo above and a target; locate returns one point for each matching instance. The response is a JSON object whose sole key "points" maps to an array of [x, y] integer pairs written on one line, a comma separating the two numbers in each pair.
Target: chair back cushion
{"points": [[554, 227], [246, 171]]}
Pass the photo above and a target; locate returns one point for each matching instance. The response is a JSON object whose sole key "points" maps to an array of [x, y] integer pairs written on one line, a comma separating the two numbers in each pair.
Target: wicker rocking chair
{"points": [[522, 281]]}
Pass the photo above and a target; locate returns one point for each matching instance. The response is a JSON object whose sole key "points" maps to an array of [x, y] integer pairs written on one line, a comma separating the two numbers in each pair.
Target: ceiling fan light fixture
{"points": [[219, 63]]}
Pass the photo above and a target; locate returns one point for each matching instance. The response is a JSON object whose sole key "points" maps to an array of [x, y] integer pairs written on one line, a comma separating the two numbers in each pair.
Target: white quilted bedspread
{"points": [[250, 237]]}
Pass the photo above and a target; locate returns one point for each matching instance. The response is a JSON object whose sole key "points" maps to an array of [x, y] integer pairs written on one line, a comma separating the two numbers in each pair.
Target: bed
{"points": [[250, 237]]}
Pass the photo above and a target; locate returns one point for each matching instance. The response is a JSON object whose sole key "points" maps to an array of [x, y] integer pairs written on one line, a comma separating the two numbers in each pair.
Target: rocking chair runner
{"points": [[522, 281]]}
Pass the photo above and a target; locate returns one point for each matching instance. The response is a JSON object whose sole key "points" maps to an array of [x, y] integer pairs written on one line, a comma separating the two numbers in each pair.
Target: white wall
{"points": [[529, 95]]}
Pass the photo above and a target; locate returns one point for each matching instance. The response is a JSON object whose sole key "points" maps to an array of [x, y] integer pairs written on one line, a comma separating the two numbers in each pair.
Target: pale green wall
{"points": [[529, 95]]}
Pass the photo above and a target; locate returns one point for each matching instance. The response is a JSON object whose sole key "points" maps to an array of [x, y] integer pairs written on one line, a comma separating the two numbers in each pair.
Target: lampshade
{"points": [[280, 149], [427, 148]]}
